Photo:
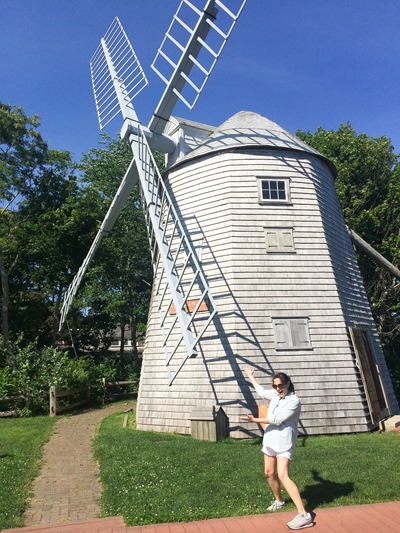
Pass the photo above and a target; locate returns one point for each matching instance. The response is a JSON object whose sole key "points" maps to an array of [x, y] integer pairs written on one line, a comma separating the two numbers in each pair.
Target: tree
{"points": [[41, 224], [57, 223], [368, 187], [8, 261], [22, 152], [118, 282]]}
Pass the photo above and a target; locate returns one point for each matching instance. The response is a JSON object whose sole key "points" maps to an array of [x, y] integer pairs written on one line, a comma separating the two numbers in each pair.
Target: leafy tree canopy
{"points": [[22, 151], [38, 235]]}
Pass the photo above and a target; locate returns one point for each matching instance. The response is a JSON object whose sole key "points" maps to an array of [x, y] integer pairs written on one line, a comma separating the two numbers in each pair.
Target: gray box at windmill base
{"points": [[209, 424]]}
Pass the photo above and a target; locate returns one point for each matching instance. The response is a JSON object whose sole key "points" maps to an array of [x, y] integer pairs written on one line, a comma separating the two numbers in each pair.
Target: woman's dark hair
{"points": [[285, 379]]}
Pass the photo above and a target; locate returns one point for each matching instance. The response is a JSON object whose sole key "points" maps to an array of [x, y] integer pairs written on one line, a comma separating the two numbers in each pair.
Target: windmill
{"points": [[246, 215], [185, 60]]}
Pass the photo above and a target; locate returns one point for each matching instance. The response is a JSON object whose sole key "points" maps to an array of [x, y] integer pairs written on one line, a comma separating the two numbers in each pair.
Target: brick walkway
{"points": [[374, 518], [68, 486]]}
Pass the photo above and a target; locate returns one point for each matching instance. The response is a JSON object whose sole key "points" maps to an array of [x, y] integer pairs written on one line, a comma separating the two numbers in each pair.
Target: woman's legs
{"points": [[291, 488], [272, 478]]}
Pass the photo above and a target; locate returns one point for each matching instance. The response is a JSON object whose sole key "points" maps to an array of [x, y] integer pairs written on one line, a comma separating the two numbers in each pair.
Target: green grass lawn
{"points": [[21, 442], [153, 477]]}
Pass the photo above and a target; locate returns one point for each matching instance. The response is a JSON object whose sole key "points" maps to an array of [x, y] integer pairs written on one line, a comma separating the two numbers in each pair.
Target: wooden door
{"points": [[369, 373]]}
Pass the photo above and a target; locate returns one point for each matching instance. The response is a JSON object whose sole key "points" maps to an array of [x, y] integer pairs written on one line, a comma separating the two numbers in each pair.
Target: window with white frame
{"points": [[291, 333], [279, 240], [273, 190]]}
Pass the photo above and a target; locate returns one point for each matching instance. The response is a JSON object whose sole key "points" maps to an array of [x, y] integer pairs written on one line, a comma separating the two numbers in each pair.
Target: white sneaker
{"points": [[275, 506], [301, 521]]}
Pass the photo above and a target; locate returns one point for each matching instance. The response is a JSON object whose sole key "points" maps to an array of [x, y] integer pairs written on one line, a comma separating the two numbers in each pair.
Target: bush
{"points": [[7, 382], [29, 371]]}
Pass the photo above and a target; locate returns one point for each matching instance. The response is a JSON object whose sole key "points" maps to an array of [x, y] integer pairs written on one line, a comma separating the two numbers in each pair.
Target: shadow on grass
{"points": [[325, 491]]}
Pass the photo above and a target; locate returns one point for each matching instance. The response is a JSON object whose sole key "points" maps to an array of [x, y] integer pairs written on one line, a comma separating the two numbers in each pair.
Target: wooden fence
{"points": [[55, 394], [11, 400], [118, 395]]}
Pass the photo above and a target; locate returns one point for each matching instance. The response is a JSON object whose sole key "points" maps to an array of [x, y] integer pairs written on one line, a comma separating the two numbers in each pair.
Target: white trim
{"points": [[276, 190]]}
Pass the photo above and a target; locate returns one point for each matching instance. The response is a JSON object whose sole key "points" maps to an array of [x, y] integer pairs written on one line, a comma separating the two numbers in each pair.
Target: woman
{"points": [[279, 441]]}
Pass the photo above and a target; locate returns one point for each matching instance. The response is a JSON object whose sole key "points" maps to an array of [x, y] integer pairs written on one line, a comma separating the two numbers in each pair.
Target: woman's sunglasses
{"points": [[278, 385]]}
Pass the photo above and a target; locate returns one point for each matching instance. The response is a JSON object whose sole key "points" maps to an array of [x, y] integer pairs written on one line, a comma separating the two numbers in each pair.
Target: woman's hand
{"points": [[249, 370], [247, 418]]}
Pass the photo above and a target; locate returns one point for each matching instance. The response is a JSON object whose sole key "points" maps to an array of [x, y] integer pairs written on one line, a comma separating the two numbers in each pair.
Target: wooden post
{"points": [[53, 400], [376, 256]]}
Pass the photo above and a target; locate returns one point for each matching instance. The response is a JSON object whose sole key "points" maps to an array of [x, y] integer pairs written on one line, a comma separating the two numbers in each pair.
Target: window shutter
{"points": [[272, 238], [282, 333], [287, 244], [291, 333], [279, 240], [299, 330]]}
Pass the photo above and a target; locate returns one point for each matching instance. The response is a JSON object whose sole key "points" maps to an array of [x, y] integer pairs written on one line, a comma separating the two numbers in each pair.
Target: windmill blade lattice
{"points": [[185, 303], [187, 55], [126, 72]]}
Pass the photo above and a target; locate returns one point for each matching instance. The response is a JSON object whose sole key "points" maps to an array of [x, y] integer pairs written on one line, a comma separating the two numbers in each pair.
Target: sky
{"points": [[300, 63]]}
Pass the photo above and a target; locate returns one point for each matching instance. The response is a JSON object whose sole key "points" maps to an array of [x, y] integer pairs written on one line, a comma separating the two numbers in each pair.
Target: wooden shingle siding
{"points": [[217, 197]]}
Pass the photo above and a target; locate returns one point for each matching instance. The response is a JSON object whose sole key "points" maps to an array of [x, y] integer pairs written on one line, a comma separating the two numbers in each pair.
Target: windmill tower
{"points": [[262, 211], [252, 259]]}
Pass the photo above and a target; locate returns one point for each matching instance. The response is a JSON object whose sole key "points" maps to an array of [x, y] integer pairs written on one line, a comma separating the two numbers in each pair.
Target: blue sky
{"points": [[301, 63]]}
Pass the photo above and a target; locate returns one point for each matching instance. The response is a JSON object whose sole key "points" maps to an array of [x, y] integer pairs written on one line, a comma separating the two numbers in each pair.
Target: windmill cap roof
{"points": [[247, 129]]}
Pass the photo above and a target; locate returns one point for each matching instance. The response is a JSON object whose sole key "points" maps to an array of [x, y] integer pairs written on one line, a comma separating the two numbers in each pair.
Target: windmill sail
{"points": [[113, 94], [187, 55], [124, 190], [115, 63], [185, 303]]}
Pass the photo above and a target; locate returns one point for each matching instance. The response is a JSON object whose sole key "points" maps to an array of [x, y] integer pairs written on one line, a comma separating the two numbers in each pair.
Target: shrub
{"points": [[29, 371], [7, 382]]}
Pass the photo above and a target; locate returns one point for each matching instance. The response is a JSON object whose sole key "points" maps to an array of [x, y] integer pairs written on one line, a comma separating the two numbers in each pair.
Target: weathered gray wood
{"points": [[53, 401], [112, 383], [11, 398], [71, 406], [209, 424], [66, 393]]}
